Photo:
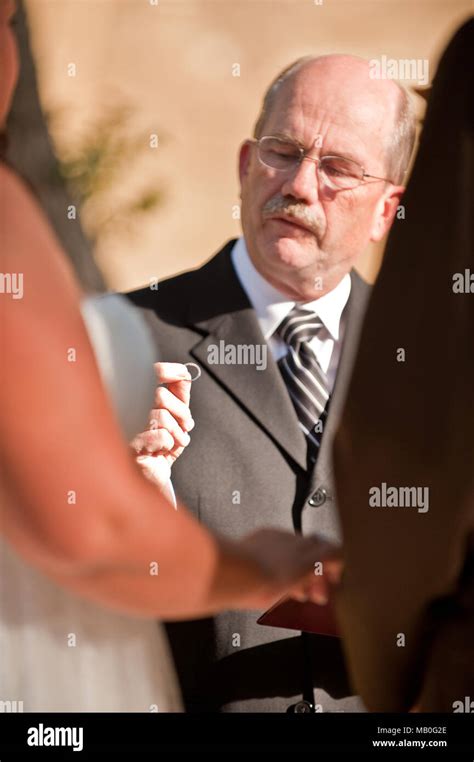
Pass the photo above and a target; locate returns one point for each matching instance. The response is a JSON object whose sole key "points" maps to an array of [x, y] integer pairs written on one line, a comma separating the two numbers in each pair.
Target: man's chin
{"points": [[293, 253]]}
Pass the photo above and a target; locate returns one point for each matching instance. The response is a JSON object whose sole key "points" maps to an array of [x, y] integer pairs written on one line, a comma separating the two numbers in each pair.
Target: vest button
{"points": [[319, 497]]}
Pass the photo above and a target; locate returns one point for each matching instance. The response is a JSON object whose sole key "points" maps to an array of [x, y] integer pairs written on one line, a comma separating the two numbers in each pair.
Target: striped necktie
{"points": [[306, 382]]}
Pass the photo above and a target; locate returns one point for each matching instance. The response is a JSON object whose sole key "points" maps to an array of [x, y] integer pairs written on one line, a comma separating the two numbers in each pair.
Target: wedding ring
{"points": [[193, 365]]}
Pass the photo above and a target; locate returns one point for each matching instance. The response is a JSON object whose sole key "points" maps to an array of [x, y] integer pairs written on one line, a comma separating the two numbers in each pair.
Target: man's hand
{"points": [[169, 423]]}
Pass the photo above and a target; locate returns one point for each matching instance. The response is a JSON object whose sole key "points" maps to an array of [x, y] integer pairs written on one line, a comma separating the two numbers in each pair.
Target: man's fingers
{"points": [[165, 399], [177, 378], [170, 419], [157, 470], [155, 441], [171, 371], [162, 419]]}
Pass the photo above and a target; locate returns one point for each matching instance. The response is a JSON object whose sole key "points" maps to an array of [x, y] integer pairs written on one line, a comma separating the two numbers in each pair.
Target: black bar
{"points": [[149, 733]]}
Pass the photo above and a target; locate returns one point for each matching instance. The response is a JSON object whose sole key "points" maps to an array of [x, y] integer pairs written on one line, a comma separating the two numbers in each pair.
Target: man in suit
{"points": [[273, 321]]}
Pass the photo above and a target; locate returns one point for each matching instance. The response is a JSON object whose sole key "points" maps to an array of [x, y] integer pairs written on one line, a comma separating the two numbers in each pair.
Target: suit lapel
{"points": [[262, 393], [219, 310]]}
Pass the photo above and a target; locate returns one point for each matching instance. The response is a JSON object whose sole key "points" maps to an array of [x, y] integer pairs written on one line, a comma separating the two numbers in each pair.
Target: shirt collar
{"points": [[271, 306]]}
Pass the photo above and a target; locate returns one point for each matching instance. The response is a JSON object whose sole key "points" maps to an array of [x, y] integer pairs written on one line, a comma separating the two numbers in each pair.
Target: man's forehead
{"points": [[348, 133], [304, 108], [338, 78], [358, 101]]}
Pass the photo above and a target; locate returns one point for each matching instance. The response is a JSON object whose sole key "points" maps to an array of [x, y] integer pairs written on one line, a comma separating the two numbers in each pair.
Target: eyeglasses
{"points": [[337, 172]]}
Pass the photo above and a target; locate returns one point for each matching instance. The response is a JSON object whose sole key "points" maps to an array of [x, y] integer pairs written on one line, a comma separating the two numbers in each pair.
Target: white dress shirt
{"points": [[271, 307]]}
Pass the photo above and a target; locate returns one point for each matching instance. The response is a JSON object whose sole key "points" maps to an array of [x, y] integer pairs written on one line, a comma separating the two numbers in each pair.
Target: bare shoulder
{"points": [[29, 244]]}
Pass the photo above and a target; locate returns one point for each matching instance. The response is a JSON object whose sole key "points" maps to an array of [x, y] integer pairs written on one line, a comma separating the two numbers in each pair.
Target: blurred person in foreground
{"points": [[91, 551], [404, 451]]}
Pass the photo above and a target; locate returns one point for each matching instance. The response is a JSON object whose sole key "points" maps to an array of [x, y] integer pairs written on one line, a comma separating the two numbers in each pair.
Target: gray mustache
{"points": [[300, 212]]}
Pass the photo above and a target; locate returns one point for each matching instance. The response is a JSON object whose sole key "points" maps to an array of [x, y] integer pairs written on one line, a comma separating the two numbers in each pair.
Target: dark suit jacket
{"points": [[246, 468]]}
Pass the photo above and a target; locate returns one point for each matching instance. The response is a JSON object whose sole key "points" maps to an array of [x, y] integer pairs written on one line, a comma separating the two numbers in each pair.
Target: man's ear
{"points": [[244, 160], [385, 211]]}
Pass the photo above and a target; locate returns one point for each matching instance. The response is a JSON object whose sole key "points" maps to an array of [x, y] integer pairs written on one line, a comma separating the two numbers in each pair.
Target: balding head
{"points": [[386, 103], [306, 221]]}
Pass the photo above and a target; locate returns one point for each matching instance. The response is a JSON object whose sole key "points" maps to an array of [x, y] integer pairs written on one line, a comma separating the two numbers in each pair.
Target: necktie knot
{"points": [[299, 325]]}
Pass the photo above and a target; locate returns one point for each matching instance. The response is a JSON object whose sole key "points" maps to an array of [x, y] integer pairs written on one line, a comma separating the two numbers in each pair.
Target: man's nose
{"points": [[303, 182]]}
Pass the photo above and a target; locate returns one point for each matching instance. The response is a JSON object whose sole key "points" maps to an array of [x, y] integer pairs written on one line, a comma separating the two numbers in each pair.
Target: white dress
{"points": [[59, 653]]}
